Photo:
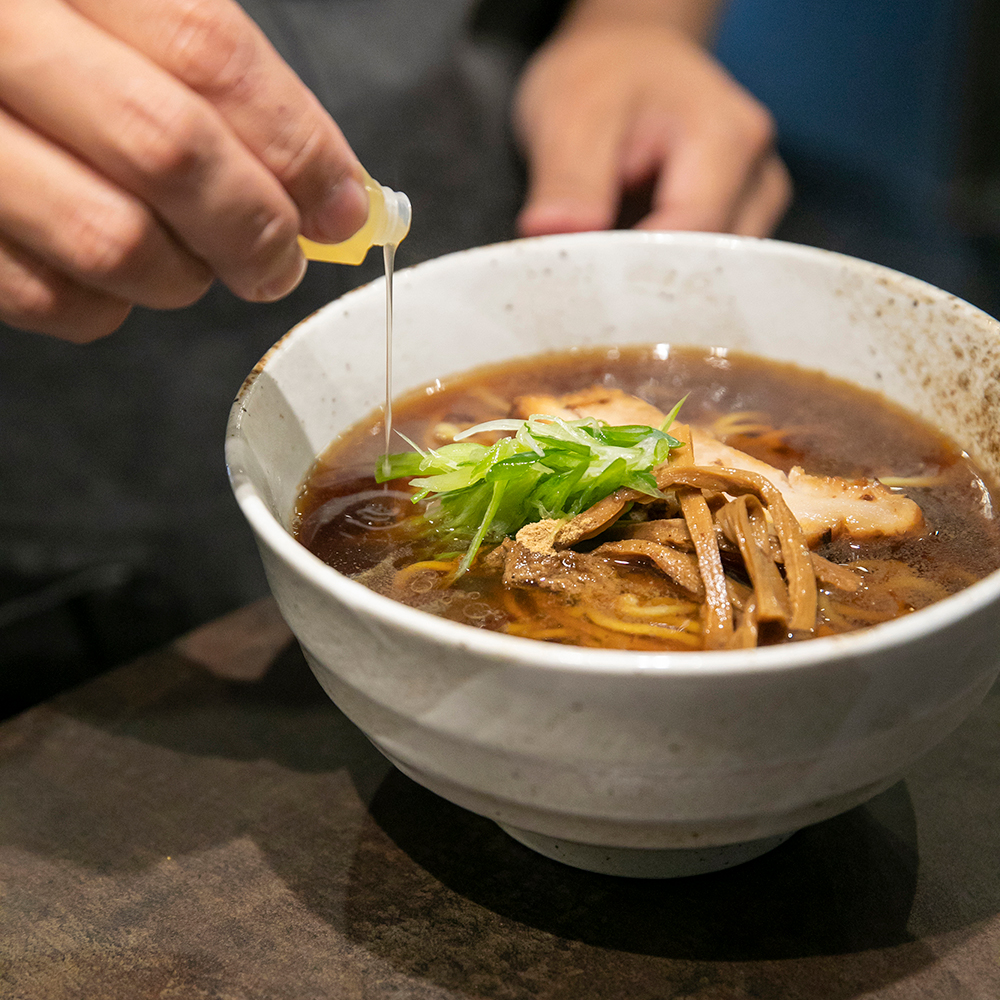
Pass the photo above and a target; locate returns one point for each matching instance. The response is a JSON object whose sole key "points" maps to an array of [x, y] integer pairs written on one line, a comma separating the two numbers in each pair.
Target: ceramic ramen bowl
{"points": [[619, 761]]}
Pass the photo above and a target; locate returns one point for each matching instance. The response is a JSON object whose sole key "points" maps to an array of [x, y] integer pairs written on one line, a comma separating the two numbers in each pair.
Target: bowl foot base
{"points": [[639, 862]]}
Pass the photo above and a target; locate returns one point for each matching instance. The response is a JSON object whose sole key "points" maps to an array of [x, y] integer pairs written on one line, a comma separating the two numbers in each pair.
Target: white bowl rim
{"points": [[532, 653]]}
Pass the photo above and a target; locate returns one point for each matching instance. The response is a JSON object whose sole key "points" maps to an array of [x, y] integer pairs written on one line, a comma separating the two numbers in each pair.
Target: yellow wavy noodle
{"points": [[663, 632], [756, 428], [406, 577], [889, 576], [585, 633], [529, 630], [511, 603], [741, 422], [628, 604], [548, 616], [958, 578], [891, 589], [477, 405], [919, 482], [846, 618]]}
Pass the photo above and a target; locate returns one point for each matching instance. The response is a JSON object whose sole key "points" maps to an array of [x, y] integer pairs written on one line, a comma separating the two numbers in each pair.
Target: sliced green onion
{"points": [[546, 467]]}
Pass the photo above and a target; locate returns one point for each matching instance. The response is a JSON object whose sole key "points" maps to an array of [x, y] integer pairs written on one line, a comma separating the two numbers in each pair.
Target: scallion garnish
{"points": [[546, 468]]}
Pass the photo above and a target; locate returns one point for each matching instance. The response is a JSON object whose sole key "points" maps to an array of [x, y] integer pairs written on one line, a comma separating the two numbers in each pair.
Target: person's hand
{"points": [[150, 146], [605, 110]]}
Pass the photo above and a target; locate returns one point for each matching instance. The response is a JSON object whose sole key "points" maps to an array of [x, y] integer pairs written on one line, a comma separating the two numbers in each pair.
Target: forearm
{"points": [[695, 18]]}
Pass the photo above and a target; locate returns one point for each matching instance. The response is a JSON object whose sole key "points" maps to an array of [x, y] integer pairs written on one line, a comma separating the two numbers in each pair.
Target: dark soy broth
{"points": [[828, 427]]}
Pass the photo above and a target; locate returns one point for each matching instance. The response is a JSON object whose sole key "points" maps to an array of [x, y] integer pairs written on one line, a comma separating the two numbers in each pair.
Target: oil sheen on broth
{"points": [[776, 413]]}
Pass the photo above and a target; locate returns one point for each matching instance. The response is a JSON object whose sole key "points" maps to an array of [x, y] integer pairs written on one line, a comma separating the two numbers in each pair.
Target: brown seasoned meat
{"points": [[681, 567], [667, 531], [530, 561], [597, 518], [673, 531], [569, 573]]}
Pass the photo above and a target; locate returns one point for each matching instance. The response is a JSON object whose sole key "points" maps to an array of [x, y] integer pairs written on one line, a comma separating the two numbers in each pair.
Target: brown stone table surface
{"points": [[204, 823]]}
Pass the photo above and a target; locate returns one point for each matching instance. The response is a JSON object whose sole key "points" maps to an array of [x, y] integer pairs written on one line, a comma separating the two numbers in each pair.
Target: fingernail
{"points": [[342, 213], [290, 278]]}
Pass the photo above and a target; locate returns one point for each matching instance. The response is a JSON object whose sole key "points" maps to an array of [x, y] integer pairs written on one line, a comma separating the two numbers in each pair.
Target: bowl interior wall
{"points": [[884, 331]]}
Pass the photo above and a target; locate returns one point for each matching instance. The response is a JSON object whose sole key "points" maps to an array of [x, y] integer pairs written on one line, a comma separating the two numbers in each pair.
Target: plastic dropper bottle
{"points": [[387, 224]]}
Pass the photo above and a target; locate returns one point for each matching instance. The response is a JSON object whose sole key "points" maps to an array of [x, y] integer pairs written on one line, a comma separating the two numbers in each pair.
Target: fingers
{"points": [[764, 204], [35, 297], [572, 154], [148, 147], [745, 198], [213, 48], [64, 214], [711, 169], [156, 139]]}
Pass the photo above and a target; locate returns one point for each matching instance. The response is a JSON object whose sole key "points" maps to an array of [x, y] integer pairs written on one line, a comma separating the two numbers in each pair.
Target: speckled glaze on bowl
{"points": [[625, 762]]}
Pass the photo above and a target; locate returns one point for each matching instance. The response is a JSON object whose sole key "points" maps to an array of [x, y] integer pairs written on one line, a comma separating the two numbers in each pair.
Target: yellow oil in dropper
{"points": [[387, 224]]}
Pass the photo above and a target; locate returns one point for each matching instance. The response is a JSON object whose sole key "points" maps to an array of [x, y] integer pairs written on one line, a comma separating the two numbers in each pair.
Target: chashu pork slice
{"points": [[823, 505], [610, 405], [859, 508]]}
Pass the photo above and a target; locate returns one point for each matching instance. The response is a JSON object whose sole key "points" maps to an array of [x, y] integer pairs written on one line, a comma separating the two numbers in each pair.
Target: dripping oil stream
{"points": [[389, 257], [388, 222]]}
